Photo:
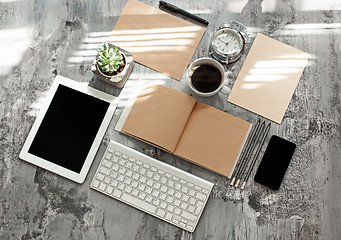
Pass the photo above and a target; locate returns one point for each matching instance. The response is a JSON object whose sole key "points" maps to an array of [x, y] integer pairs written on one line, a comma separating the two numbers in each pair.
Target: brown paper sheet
{"points": [[268, 78], [159, 116], [156, 39], [212, 139]]}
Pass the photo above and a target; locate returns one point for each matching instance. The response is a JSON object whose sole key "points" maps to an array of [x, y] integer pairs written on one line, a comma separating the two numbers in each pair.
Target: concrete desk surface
{"points": [[40, 39]]}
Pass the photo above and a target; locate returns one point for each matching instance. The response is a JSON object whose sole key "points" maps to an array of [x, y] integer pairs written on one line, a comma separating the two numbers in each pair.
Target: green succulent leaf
{"points": [[109, 59]]}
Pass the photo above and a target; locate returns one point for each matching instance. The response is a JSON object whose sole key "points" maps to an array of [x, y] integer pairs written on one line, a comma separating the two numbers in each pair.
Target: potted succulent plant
{"points": [[110, 61], [112, 64]]}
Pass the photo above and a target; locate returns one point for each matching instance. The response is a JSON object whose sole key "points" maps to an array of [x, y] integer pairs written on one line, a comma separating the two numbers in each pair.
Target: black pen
{"points": [[175, 9]]}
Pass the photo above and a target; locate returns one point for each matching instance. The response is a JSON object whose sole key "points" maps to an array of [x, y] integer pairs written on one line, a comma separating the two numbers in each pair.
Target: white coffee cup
{"points": [[224, 79]]}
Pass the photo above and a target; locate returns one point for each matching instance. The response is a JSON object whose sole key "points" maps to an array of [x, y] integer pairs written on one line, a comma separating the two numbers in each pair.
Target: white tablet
{"points": [[70, 126]]}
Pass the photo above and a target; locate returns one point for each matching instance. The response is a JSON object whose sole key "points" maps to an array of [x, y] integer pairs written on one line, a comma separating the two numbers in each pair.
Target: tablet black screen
{"points": [[69, 128]]}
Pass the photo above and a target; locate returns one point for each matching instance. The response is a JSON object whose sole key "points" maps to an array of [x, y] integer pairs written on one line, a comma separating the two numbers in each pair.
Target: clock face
{"points": [[227, 42]]}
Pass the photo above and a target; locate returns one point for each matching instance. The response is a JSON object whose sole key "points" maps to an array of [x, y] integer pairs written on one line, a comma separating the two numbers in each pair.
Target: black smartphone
{"points": [[275, 162]]}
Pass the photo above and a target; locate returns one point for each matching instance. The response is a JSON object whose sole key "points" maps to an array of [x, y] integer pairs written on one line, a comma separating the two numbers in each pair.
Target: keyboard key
{"points": [[149, 190], [184, 189], [191, 192], [190, 209], [163, 196], [113, 174], [201, 196], [100, 176], [128, 189], [107, 163], [120, 178], [121, 186], [163, 189], [138, 202], [156, 185], [115, 167], [156, 201], [107, 179], [104, 170], [117, 193], [178, 195], [115, 159], [134, 192], [170, 208], [142, 187], [136, 176], [142, 195], [205, 191], [192, 201], [95, 183], [163, 205], [175, 178], [134, 184], [149, 199], [156, 177], [177, 186], [149, 174], [142, 171], [171, 192], [143, 179], [184, 205], [114, 183], [108, 156], [155, 193], [102, 186], [129, 173], [185, 197], [170, 183], [169, 199], [121, 162], [189, 216], [109, 189], [150, 182], [168, 216], [161, 213], [117, 153]]}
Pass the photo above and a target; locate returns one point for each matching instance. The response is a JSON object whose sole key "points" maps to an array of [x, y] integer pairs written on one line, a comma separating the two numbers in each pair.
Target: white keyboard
{"points": [[152, 186]]}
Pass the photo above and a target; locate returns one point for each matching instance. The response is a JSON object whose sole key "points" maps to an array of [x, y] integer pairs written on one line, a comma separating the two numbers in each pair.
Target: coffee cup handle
{"points": [[225, 89]]}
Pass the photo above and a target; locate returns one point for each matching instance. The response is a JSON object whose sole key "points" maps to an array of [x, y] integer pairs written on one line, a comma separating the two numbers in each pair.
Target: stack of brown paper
{"points": [[268, 78], [176, 122], [156, 39]]}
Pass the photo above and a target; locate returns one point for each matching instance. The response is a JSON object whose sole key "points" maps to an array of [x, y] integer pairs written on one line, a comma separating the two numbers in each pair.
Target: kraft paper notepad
{"points": [[268, 78], [156, 39], [176, 122]]}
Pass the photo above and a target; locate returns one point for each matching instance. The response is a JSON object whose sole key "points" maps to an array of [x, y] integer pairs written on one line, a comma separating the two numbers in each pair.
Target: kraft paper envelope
{"points": [[268, 78], [176, 122], [156, 39]]}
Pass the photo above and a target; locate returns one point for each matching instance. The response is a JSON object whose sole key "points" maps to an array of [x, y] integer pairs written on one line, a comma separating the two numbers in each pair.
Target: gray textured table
{"points": [[39, 39]]}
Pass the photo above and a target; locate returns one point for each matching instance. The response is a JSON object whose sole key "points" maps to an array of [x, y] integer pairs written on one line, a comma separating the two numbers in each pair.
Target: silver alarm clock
{"points": [[228, 42]]}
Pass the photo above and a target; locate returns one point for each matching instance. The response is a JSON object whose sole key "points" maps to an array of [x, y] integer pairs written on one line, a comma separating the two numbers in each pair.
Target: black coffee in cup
{"points": [[206, 78]]}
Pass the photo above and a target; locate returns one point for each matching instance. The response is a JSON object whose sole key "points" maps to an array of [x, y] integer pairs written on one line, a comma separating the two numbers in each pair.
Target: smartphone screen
{"points": [[275, 162]]}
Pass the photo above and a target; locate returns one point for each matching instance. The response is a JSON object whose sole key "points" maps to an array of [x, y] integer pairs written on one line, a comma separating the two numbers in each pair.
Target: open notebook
{"points": [[176, 122]]}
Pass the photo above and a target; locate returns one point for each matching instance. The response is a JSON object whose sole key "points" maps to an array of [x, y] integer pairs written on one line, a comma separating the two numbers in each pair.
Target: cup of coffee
{"points": [[206, 77]]}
